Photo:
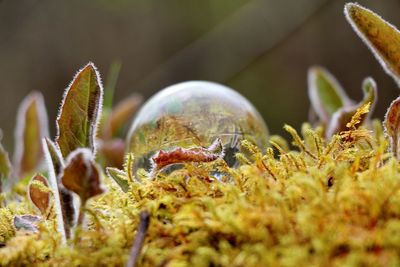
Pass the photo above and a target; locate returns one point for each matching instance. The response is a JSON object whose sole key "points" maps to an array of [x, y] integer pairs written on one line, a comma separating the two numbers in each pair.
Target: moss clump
{"points": [[6, 229], [330, 203]]}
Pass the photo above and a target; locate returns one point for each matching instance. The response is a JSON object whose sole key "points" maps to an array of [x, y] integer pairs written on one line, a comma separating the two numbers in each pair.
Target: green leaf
{"points": [[32, 126], [5, 166], [326, 94], [79, 114], [392, 126], [81, 175], [119, 177], [380, 36], [39, 193], [345, 114]]}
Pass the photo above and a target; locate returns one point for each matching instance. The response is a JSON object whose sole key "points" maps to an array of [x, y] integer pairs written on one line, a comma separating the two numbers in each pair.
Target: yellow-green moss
{"points": [[6, 228], [333, 203]]}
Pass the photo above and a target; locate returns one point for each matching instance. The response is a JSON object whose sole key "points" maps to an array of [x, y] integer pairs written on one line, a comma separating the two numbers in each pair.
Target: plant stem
{"points": [[81, 215], [395, 141], [139, 239]]}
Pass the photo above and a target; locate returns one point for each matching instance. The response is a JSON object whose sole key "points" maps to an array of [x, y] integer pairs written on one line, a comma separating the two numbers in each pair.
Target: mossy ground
{"points": [[333, 203]]}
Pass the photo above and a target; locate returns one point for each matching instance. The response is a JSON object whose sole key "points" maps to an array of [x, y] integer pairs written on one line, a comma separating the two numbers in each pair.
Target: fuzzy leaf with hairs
{"points": [[380, 36], [79, 114]]}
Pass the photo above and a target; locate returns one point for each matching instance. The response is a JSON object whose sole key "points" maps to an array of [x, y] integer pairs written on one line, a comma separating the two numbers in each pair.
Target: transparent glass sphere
{"points": [[193, 114]]}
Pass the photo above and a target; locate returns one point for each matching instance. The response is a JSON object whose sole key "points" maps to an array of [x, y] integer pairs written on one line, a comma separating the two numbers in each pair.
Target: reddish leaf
{"points": [[32, 126], [81, 175], [79, 114], [40, 198]]}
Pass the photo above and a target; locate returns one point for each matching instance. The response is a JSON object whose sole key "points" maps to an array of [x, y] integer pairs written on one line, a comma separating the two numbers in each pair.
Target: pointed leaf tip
{"points": [[120, 177], [80, 111], [380, 36], [62, 207]]}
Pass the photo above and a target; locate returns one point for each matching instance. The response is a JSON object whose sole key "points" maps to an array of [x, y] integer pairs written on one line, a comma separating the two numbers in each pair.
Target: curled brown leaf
{"points": [[81, 175]]}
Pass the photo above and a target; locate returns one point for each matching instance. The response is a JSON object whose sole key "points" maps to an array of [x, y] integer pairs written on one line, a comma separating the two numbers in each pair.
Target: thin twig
{"points": [[139, 240]]}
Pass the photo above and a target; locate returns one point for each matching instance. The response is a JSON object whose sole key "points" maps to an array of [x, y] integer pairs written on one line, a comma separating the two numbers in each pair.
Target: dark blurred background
{"points": [[261, 48]]}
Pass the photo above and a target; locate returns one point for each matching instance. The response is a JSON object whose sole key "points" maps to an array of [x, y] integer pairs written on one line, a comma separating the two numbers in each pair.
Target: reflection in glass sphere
{"points": [[193, 114]]}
